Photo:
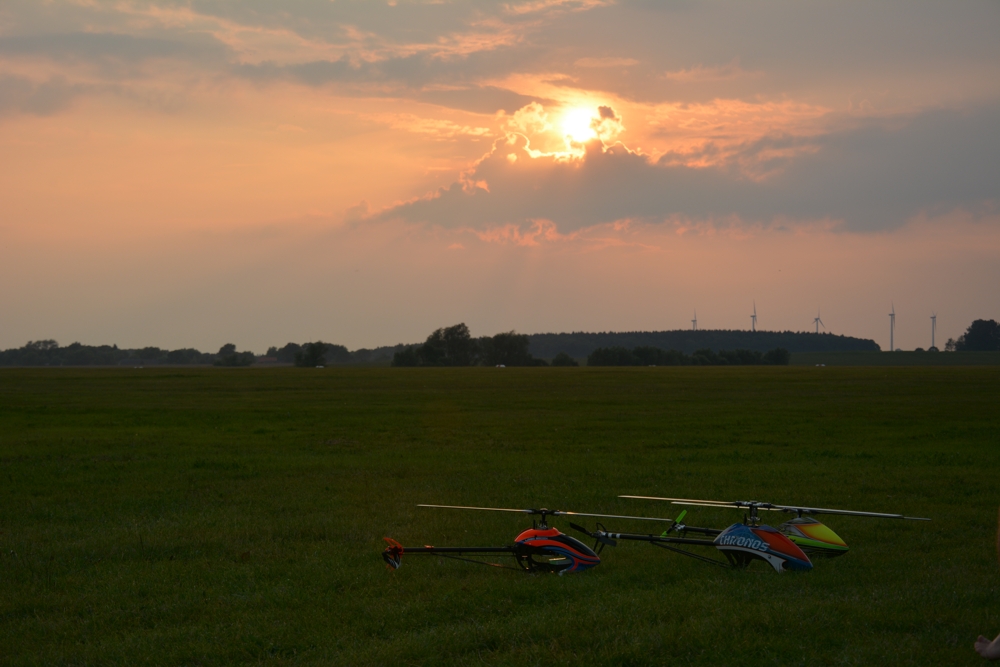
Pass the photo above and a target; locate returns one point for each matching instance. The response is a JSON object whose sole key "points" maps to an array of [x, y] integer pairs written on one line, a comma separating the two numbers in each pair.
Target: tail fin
{"points": [[392, 555]]}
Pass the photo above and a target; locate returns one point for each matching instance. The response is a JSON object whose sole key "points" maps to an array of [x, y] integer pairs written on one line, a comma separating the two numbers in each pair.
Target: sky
{"points": [[189, 174]]}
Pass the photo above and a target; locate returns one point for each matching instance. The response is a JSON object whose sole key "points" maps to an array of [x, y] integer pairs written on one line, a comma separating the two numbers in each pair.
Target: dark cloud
{"points": [[422, 77], [479, 99], [19, 95], [872, 176], [110, 46]]}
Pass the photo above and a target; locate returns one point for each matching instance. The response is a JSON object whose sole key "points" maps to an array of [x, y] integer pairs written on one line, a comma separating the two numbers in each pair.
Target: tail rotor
{"points": [[392, 554]]}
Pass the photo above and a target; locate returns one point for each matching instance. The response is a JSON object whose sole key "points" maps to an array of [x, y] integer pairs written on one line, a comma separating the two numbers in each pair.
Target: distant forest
{"points": [[508, 348], [50, 353], [455, 346], [580, 345]]}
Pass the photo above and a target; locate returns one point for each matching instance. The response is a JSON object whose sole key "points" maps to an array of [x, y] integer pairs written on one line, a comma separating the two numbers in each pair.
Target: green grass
{"points": [[907, 358], [204, 517]]}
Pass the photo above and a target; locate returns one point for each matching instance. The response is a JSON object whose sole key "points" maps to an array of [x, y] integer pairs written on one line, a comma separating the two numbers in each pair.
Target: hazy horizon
{"points": [[188, 174]]}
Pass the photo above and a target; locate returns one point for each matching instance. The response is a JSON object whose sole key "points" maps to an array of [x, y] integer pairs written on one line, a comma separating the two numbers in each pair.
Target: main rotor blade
{"points": [[609, 516], [733, 505], [489, 509], [549, 512], [777, 508], [824, 510], [707, 503]]}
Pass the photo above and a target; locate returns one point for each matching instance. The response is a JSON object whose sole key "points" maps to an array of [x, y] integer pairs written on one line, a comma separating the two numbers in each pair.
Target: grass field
{"points": [[206, 517], [908, 358]]}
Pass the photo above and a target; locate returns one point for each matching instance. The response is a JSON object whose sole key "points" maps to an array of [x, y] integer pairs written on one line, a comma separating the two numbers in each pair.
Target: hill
{"points": [[579, 344]]}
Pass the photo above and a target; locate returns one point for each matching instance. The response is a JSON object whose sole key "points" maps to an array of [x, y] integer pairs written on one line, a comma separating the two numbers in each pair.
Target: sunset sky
{"points": [[187, 174]]}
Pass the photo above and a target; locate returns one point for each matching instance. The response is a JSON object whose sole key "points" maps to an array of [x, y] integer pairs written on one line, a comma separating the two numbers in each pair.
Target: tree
{"points": [[508, 349], [228, 356], [704, 357], [286, 354], [450, 346], [311, 355], [563, 359], [981, 336], [406, 357], [337, 354], [611, 356], [779, 356]]}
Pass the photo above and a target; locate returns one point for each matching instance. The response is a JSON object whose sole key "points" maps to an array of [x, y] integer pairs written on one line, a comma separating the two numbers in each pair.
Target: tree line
{"points": [[451, 346], [455, 346], [50, 353], [580, 344], [654, 356], [981, 336]]}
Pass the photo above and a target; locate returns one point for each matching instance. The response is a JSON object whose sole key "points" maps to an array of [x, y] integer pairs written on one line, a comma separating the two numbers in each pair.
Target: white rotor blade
{"points": [[777, 508], [724, 503], [488, 509], [823, 510]]}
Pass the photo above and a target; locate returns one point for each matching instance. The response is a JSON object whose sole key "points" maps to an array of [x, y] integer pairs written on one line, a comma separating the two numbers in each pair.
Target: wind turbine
{"points": [[694, 322], [933, 327], [892, 329], [753, 318], [818, 322]]}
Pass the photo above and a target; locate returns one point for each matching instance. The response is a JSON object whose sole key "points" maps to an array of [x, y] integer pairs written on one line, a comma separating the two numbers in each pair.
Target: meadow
{"points": [[236, 516], [898, 358]]}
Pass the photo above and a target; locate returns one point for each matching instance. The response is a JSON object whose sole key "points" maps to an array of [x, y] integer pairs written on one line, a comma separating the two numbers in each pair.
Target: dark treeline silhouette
{"points": [[654, 356], [49, 353], [455, 346], [981, 336], [579, 345], [329, 354]]}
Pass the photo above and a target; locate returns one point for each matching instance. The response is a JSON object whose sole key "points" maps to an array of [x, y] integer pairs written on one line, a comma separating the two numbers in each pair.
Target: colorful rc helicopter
{"points": [[788, 547], [537, 549]]}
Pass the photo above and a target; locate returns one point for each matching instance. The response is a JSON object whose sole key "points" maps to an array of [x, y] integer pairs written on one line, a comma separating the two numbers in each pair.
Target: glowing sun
{"points": [[576, 124]]}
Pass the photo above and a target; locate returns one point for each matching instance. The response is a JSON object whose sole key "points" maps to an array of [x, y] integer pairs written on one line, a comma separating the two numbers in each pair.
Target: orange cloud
{"points": [[540, 230]]}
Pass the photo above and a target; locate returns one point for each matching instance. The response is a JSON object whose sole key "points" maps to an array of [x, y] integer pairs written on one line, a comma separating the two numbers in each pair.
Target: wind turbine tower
{"points": [[818, 322], [933, 327], [694, 322], [892, 329], [753, 318]]}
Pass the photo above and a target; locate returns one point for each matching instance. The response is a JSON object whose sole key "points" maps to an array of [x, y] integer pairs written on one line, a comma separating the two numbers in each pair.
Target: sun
{"points": [[577, 124]]}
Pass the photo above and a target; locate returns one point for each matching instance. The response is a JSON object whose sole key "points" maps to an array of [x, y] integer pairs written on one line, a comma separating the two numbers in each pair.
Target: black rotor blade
{"points": [[545, 511], [609, 516]]}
